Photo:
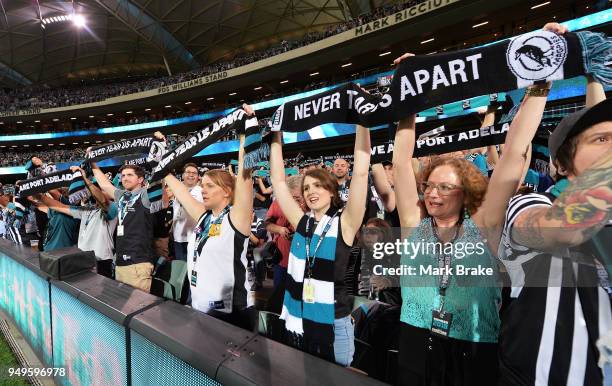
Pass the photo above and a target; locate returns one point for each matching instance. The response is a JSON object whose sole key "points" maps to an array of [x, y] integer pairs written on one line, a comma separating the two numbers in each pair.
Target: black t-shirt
{"points": [[136, 244]]}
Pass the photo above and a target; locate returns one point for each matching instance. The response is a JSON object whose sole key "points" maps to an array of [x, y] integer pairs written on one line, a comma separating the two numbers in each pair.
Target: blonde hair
{"points": [[223, 179]]}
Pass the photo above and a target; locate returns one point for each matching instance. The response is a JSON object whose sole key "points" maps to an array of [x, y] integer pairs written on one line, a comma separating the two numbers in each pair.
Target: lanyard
{"points": [[124, 206], [444, 262], [309, 263], [202, 234], [377, 198], [602, 275]]}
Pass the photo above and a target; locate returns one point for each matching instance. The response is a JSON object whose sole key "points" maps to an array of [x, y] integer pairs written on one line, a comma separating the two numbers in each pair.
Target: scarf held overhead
{"points": [[237, 119], [426, 81], [153, 147], [47, 182]]}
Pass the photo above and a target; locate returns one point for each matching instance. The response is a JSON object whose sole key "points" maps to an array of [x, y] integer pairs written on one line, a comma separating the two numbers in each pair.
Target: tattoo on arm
{"points": [[581, 211], [585, 204], [529, 233]]}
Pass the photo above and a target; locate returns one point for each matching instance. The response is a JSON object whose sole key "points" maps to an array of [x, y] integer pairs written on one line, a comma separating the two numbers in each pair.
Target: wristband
{"points": [[536, 91]]}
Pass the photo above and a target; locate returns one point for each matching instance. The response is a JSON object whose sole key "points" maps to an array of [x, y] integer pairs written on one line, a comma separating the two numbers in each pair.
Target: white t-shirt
{"points": [[96, 231], [182, 222]]}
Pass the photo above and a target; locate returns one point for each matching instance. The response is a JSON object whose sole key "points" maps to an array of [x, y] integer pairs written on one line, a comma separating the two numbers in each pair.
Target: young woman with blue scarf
{"points": [[316, 307]]}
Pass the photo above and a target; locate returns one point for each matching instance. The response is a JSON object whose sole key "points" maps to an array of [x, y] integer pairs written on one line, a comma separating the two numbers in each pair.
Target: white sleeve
{"points": [[516, 206]]}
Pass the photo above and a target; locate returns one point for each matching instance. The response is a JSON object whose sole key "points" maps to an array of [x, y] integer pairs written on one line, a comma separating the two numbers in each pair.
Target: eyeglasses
{"points": [[193, 173], [443, 188]]}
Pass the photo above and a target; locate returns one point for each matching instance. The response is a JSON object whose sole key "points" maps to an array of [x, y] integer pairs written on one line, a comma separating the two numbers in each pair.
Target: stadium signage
{"points": [[31, 111], [398, 17], [192, 83]]}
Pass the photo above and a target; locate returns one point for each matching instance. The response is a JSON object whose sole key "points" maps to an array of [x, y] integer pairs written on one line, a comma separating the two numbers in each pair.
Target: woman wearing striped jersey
{"points": [[216, 253], [316, 307]]}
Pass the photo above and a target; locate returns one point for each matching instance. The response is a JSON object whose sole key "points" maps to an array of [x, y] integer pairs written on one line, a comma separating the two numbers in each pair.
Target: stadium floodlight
{"points": [[428, 40], [480, 24], [79, 20], [540, 5], [384, 53]]}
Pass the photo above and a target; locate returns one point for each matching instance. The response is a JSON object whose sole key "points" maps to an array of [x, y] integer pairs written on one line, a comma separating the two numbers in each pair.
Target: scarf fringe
{"points": [[597, 56], [254, 157]]}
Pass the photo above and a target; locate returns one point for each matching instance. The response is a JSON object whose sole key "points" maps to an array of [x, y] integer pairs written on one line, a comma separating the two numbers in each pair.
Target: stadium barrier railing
{"points": [[95, 330]]}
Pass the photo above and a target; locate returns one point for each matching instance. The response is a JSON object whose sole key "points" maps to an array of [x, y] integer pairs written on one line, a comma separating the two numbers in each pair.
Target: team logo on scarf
{"points": [[537, 56]]}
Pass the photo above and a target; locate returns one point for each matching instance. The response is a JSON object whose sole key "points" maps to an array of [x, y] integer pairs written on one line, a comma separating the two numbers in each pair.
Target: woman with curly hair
{"points": [[450, 319]]}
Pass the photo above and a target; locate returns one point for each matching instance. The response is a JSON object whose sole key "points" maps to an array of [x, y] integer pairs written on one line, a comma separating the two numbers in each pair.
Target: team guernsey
{"points": [[548, 335], [217, 270]]}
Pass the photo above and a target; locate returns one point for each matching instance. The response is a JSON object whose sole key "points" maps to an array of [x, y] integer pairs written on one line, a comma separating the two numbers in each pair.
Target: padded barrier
{"points": [[106, 333]]}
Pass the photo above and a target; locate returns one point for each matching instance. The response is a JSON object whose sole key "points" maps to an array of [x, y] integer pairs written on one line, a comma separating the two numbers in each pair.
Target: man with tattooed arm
{"points": [[561, 295]]}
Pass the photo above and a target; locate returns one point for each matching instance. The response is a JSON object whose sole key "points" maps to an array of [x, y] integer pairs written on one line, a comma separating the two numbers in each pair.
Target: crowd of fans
{"points": [[13, 158], [50, 97], [314, 246]]}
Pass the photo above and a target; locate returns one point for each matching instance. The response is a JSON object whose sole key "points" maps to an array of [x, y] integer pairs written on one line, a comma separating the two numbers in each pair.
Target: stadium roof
{"points": [[132, 37]]}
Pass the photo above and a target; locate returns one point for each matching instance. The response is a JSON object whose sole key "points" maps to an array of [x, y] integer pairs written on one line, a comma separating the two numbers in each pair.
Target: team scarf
{"points": [[160, 161], [427, 81], [148, 144], [312, 324], [237, 119], [47, 182]]}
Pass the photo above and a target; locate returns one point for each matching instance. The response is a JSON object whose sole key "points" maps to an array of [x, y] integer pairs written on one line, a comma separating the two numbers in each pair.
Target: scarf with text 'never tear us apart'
{"points": [[423, 82], [164, 161]]}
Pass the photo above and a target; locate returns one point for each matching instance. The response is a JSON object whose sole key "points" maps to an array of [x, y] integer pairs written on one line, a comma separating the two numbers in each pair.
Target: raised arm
{"points": [[241, 212], [594, 92], [576, 215], [526, 163], [489, 120], [193, 207], [507, 174], [409, 208], [262, 186], [383, 187], [104, 182], [51, 203], [290, 208], [358, 191], [96, 193]]}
